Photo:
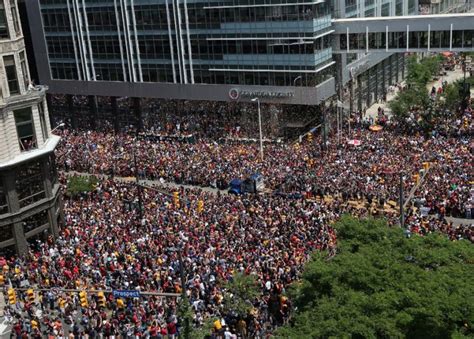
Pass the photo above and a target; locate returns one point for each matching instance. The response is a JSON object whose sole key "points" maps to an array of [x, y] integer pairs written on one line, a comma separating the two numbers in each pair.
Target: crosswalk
{"points": [[5, 329]]}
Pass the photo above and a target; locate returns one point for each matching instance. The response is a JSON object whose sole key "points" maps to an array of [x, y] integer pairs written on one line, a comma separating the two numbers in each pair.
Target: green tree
{"points": [[382, 284], [79, 184], [432, 64], [451, 97], [185, 314], [240, 292], [417, 72], [417, 95]]}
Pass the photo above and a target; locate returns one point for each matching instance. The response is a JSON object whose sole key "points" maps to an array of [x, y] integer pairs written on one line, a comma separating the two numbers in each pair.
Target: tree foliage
{"points": [[451, 97], [185, 314], [419, 73], [79, 184], [384, 285], [241, 291], [416, 96]]}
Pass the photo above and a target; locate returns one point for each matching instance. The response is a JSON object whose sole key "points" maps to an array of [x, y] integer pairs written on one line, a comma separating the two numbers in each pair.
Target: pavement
{"points": [[460, 221], [5, 329], [146, 182], [451, 77]]}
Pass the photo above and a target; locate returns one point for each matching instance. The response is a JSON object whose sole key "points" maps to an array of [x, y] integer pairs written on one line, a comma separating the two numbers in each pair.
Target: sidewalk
{"points": [[146, 182], [451, 77]]}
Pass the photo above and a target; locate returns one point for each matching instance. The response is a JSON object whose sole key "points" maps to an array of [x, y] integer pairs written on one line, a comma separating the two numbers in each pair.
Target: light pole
{"points": [[464, 91], [183, 285], [137, 180], [401, 202], [259, 126], [296, 79], [58, 126]]}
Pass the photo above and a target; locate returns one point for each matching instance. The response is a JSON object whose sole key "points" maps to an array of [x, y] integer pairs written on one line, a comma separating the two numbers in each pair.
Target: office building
{"points": [[363, 78], [29, 189], [214, 50]]}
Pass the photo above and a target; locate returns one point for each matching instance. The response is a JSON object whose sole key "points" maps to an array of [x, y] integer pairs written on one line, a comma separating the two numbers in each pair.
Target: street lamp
{"points": [[137, 180], [58, 126], [296, 79], [259, 126], [181, 268], [178, 250]]}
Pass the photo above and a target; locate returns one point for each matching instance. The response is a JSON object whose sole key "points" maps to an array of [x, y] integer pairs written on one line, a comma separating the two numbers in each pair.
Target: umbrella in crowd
{"points": [[375, 128]]}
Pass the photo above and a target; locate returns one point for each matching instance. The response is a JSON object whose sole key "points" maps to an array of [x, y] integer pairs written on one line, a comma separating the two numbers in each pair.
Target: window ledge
{"points": [[48, 147]]}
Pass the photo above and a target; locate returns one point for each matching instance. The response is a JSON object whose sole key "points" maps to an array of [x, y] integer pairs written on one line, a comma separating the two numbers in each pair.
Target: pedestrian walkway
{"points": [[460, 221], [5, 330], [2, 305], [450, 77], [146, 182]]}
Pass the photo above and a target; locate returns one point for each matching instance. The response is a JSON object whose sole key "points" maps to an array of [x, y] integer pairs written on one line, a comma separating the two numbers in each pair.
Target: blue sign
{"points": [[126, 294]]}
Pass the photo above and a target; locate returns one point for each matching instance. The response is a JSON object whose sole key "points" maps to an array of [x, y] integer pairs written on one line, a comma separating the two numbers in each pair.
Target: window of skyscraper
{"points": [[6, 233], [10, 71], [3, 23], [351, 6], [29, 184], [53, 172], [25, 128], [16, 22], [3, 200], [399, 7], [35, 221], [370, 13]]}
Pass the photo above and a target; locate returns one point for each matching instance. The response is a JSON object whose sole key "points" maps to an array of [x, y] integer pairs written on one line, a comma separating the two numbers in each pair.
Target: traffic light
{"points": [[176, 199], [102, 301], [83, 299], [11, 296], [30, 295], [120, 303], [416, 178], [200, 206]]}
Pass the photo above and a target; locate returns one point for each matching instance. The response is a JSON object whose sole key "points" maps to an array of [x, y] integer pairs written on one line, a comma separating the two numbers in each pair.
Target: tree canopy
{"points": [[241, 290], [382, 284], [419, 73], [80, 184]]}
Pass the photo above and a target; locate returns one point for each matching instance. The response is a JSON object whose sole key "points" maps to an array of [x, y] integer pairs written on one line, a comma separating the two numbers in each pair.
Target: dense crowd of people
{"points": [[177, 117], [369, 170], [107, 243]]}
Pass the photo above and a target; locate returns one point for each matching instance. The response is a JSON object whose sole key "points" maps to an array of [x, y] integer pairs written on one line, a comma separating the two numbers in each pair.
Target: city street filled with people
{"points": [[108, 243]]}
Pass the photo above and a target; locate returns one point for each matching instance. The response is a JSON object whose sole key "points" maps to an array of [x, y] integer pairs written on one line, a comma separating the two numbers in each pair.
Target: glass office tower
{"points": [[249, 42]]}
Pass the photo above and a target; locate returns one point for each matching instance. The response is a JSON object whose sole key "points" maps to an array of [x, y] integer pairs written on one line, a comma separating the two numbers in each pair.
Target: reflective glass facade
{"points": [[253, 42]]}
